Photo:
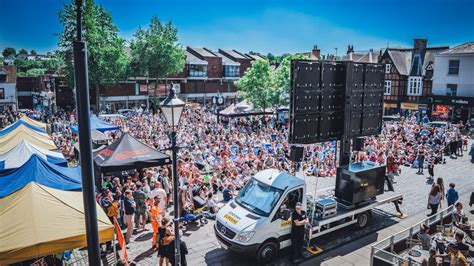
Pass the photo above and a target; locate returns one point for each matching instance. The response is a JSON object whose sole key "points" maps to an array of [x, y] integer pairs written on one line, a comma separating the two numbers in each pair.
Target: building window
{"points": [[451, 89], [231, 71], [415, 86], [2, 94], [197, 71], [3, 77], [453, 67], [388, 87], [388, 68]]}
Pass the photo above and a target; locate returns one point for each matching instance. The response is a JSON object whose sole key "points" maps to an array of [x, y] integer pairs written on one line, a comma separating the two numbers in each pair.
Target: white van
{"points": [[257, 222]]}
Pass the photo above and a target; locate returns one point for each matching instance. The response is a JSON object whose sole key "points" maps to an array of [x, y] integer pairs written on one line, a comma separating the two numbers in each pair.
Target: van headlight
{"points": [[245, 236]]}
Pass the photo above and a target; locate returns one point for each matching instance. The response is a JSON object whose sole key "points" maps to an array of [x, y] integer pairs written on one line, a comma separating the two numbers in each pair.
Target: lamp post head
{"points": [[172, 108]]}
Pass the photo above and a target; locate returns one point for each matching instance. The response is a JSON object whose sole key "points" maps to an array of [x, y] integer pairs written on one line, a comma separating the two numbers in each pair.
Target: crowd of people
{"points": [[216, 159]]}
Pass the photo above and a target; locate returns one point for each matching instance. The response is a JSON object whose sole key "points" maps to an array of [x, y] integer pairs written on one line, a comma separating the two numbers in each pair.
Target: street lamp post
{"points": [[172, 108]]}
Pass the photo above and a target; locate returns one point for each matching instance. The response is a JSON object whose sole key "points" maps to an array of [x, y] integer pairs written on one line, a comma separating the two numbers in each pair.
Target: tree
{"points": [[8, 51], [34, 72], [156, 51], [282, 77], [106, 56], [23, 51], [271, 58], [33, 52], [257, 85]]}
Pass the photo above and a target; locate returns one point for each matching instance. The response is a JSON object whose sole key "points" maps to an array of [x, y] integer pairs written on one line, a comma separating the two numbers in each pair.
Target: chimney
{"points": [[316, 52], [419, 45], [350, 51]]}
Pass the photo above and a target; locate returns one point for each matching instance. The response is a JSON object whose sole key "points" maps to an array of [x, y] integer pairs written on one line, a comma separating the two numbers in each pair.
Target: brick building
{"points": [[408, 77], [8, 95], [205, 74]]}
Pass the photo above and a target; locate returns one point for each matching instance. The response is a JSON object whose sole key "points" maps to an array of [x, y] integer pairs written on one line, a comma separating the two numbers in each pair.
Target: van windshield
{"points": [[258, 198]]}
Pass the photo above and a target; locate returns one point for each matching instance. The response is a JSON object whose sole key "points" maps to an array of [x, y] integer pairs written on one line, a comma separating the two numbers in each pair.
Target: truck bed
{"points": [[346, 217]]}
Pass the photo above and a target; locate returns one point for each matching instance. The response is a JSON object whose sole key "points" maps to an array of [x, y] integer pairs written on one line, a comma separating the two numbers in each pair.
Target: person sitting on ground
{"points": [[459, 237], [455, 256], [212, 203], [425, 238], [228, 193], [458, 214]]}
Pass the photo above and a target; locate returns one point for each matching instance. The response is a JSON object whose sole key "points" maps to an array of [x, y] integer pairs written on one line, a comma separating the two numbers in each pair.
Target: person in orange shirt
{"points": [[155, 217]]}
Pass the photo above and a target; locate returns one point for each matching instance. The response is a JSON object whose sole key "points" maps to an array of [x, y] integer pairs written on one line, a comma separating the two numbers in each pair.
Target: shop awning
{"points": [[390, 105], [409, 106]]}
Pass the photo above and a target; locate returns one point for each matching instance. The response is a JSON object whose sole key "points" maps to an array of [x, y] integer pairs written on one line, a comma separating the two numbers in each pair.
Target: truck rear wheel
{"points": [[363, 220], [267, 252]]}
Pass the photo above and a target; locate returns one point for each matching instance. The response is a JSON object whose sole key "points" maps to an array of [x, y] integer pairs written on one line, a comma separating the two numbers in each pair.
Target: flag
{"points": [[121, 241]]}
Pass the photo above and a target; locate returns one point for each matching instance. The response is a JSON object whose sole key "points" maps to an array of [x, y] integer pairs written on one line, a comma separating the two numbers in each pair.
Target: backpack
{"points": [[113, 210]]}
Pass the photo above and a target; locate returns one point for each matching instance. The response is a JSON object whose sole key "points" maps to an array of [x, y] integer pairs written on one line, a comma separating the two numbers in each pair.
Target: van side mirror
{"points": [[284, 214]]}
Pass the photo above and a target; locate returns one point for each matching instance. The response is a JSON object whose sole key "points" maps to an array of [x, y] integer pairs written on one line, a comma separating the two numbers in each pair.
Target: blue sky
{"points": [[260, 25]]}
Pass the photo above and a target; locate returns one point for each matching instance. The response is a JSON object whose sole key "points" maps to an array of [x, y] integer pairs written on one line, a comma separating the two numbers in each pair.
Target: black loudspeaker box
{"points": [[296, 153]]}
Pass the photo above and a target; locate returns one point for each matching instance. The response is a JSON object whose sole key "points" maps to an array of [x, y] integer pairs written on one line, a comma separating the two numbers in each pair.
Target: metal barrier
{"points": [[384, 249]]}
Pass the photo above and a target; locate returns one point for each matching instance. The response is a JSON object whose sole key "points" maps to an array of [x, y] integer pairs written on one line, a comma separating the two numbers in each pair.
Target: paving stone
{"points": [[205, 250]]}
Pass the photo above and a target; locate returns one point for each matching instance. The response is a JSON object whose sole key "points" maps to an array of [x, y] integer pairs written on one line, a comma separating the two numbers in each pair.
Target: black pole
{"points": [[87, 173], [174, 150]]}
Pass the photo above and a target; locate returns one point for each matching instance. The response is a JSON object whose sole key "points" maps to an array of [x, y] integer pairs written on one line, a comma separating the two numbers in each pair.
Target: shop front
{"points": [[452, 109], [390, 108], [408, 109]]}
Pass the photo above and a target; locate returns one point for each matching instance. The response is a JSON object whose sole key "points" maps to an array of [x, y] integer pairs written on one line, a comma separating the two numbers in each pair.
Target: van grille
{"points": [[228, 233]]}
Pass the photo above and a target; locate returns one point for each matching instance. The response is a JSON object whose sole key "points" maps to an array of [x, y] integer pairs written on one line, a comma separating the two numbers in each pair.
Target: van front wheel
{"points": [[267, 252]]}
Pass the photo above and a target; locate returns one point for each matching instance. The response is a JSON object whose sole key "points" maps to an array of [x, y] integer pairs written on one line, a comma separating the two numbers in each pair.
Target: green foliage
{"points": [[257, 85], [107, 60], [23, 51], [265, 87], [34, 72], [52, 64], [282, 77], [8, 51], [23, 65], [33, 52], [156, 51]]}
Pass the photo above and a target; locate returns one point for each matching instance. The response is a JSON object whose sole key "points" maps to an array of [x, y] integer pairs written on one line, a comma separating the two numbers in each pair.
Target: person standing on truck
{"points": [[298, 220]]}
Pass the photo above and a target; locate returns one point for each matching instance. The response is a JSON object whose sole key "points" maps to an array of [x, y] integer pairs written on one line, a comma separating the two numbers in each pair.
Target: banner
{"points": [[121, 241], [162, 89]]}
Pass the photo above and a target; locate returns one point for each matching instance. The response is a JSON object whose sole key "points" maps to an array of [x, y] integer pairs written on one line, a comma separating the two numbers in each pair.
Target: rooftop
{"points": [[465, 48], [226, 60], [235, 54], [203, 52], [190, 58]]}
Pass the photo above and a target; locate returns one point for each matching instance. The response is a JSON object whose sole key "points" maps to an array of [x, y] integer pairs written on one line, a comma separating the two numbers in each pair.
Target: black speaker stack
{"points": [[333, 99]]}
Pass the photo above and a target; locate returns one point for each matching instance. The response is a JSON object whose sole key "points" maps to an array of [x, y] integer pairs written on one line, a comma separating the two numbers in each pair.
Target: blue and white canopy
{"points": [[20, 154], [42, 172], [97, 124], [19, 123]]}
